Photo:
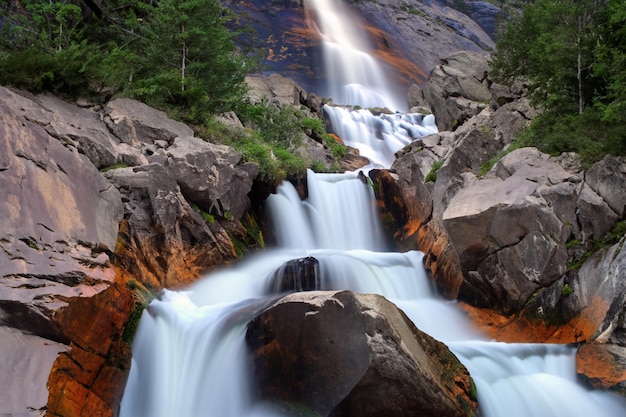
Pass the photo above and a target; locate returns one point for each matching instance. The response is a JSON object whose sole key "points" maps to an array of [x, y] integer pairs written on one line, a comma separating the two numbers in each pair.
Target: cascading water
{"points": [[354, 77], [189, 355]]}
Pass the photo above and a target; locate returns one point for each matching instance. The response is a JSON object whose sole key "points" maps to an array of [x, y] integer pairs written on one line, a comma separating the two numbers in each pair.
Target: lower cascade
{"points": [[190, 357]]}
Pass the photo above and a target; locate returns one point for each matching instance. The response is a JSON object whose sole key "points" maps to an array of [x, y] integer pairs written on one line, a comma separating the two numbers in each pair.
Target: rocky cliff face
{"points": [[515, 242], [409, 36], [83, 249]]}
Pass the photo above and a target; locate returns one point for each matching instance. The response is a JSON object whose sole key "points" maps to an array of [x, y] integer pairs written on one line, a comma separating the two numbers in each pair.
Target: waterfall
{"points": [[354, 76], [189, 355]]}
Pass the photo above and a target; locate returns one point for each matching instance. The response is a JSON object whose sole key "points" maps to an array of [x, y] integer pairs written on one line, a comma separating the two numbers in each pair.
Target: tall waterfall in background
{"points": [[189, 355], [354, 76]]}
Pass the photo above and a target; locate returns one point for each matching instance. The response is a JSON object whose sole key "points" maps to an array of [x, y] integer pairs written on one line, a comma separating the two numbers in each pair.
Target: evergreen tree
{"points": [[611, 63], [189, 59], [572, 55], [552, 45]]}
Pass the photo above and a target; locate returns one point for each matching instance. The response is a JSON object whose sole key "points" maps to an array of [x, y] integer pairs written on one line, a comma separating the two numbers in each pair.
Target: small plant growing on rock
{"points": [[432, 174], [566, 291]]}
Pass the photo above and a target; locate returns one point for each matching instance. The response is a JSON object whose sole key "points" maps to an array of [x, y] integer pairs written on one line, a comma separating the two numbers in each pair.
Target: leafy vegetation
{"points": [[572, 55], [432, 174], [175, 55]]}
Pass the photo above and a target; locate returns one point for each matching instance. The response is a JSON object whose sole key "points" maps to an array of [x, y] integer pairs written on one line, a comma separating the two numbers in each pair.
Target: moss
{"points": [[338, 149], [208, 217], [432, 174], [566, 291], [114, 166], [142, 297]]}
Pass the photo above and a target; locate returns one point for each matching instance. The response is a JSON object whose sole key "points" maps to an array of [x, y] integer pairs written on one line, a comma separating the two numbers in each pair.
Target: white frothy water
{"points": [[189, 354], [378, 137], [190, 359], [354, 76]]}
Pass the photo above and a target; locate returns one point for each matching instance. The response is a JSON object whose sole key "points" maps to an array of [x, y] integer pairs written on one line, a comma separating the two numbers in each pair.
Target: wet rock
{"points": [[343, 354], [297, 275]]}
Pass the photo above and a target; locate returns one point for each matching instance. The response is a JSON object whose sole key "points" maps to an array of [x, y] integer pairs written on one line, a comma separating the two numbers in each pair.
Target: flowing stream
{"points": [[189, 354]]}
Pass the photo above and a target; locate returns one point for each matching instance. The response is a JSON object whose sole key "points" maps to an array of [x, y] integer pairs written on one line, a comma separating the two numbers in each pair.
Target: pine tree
{"points": [[189, 59]]}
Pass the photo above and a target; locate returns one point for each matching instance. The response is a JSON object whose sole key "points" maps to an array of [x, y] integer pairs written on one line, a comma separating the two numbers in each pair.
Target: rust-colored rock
{"points": [[603, 365], [88, 380], [522, 329], [406, 203]]}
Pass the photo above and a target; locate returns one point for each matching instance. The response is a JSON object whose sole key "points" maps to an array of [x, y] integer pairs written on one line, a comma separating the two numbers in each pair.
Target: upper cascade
{"points": [[355, 77]]}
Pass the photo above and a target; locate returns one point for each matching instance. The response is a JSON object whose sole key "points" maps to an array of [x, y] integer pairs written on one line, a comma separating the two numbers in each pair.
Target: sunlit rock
{"points": [[343, 354], [58, 230], [603, 366]]}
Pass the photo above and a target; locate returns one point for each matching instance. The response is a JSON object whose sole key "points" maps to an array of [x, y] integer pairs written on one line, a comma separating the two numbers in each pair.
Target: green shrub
{"points": [[432, 174]]}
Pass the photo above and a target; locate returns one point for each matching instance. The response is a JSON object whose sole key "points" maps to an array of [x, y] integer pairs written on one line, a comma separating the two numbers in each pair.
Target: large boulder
{"points": [[344, 354], [214, 177], [510, 238], [458, 89]]}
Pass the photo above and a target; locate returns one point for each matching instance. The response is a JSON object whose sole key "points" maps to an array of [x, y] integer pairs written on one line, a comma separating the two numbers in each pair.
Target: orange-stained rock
{"points": [[522, 329], [89, 379], [406, 206], [603, 365]]}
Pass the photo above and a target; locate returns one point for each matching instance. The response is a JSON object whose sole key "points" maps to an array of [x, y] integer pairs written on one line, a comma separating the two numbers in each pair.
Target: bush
{"points": [[586, 134]]}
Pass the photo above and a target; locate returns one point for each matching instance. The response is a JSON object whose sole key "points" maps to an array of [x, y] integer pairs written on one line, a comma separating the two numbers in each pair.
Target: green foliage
{"points": [[566, 290], [616, 235], [277, 125], [432, 174], [188, 60], [586, 134], [176, 55], [273, 154], [142, 297], [572, 55], [338, 149], [208, 217]]}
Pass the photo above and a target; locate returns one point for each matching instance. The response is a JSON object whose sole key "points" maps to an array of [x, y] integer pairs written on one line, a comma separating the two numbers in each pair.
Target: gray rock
{"points": [[510, 239], [274, 89], [607, 176], [458, 89], [375, 362], [230, 119], [135, 123], [76, 127], [212, 176], [24, 370]]}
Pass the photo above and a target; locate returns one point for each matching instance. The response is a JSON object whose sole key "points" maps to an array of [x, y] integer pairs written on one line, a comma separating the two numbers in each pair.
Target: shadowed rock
{"points": [[344, 354]]}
